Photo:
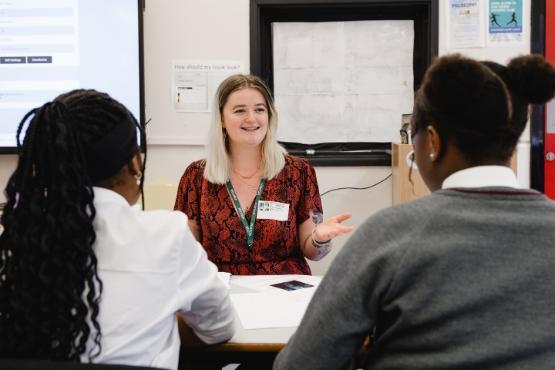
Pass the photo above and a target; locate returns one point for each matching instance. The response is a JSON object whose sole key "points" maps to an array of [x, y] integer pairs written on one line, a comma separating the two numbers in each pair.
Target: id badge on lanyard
{"points": [[249, 226]]}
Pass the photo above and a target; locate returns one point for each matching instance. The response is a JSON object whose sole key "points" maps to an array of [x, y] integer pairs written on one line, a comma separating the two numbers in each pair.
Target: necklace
{"points": [[250, 183], [246, 177]]}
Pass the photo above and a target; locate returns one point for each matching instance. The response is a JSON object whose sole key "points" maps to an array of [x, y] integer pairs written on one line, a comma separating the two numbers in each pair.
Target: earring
{"points": [[138, 178], [432, 156]]}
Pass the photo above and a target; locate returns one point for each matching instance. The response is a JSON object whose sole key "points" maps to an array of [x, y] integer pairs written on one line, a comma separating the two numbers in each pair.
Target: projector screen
{"points": [[48, 47]]}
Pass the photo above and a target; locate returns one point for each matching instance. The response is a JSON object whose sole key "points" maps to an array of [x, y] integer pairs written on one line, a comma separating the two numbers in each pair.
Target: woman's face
{"points": [[245, 117]]}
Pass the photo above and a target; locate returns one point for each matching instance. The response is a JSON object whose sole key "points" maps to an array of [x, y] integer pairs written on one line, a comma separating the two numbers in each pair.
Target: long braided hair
{"points": [[49, 285]]}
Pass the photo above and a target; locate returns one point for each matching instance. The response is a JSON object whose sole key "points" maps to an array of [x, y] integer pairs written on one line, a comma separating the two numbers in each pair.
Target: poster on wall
{"points": [[505, 23], [194, 83], [465, 24]]}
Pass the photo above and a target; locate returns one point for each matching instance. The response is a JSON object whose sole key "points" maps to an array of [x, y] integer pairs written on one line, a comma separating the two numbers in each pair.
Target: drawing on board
{"points": [[342, 81]]}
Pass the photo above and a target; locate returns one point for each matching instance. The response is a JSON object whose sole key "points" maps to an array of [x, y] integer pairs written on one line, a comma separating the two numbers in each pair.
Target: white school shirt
{"points": [[151, 266], [481, 176]]}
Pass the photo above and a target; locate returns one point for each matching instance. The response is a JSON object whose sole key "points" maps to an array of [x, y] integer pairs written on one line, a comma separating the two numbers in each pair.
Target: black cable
{"points": [[353, 188]]}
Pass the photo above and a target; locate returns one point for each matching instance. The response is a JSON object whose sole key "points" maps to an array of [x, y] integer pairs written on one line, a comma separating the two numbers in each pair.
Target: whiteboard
{"points": [[342, 81]]}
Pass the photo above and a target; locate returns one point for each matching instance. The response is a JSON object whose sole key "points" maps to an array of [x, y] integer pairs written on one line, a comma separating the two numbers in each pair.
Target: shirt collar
{"points": [[103, 195], [482, 176]]}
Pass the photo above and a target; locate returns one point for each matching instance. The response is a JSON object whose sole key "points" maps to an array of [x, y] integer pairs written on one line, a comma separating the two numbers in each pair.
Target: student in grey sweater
{"points": [[461, 279]]}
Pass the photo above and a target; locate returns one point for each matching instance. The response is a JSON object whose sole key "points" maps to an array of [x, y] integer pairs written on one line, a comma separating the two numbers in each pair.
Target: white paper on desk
{"points": [[267, 310]]}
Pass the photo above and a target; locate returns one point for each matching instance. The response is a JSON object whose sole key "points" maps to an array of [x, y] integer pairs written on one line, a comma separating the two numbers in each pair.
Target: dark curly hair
{"points": [[49, 285], [482, 107]]}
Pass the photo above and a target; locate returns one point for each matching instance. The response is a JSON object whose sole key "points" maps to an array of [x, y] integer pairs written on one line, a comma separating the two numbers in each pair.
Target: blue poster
{"points": [[505, 16]]}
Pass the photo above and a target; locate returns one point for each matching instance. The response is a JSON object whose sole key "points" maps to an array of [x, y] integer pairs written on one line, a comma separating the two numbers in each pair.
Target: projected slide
{"points": [[38, 32], [51, 47]]}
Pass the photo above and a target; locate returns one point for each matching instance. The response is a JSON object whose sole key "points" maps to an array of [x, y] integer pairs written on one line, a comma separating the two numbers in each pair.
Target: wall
{"points": [[219, 29]]}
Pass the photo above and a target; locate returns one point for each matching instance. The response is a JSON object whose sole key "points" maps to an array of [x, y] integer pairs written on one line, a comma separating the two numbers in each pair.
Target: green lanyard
{"points": [[249, 227]]}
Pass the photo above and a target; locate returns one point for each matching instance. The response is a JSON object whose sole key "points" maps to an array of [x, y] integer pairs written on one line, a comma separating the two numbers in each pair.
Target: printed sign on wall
{"points": [[505, 22]]}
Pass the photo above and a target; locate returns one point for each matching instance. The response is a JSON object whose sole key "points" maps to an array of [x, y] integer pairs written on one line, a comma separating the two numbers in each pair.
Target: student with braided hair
{"points": [[84, 276], [463, 278]]}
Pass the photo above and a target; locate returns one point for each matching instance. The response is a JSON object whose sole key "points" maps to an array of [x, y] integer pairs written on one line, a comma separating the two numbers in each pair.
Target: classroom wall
{"points": [[219, 30]]}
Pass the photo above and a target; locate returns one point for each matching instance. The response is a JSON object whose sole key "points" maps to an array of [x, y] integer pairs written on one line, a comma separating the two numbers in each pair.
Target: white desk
{"points": [[259, 287], [269, 339]]}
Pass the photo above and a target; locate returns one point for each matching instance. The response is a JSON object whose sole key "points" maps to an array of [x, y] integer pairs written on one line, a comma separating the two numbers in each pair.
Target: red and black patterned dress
{"points": [[276, 247]]}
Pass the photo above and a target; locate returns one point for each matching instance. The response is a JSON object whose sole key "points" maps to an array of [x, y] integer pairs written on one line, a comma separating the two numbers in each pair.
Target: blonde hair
{"points": [[218, 165]]}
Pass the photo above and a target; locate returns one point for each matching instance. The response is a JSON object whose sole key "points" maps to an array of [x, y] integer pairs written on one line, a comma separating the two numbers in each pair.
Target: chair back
{"points": [[159, 194]]}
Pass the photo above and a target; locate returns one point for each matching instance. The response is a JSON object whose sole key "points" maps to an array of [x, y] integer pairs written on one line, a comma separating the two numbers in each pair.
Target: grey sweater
{"points": [[462, 279]]}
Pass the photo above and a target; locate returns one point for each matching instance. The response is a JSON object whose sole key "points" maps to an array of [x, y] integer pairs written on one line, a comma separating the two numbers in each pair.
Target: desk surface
{"points": [[270, 339]]}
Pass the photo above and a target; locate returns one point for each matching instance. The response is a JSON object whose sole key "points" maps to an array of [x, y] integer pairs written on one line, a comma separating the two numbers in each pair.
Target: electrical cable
{"points": [[353, 188]]}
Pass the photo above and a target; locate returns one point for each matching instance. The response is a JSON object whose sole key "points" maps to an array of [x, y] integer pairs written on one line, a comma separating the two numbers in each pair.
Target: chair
{"points": [[159, 194], [23, 364]]}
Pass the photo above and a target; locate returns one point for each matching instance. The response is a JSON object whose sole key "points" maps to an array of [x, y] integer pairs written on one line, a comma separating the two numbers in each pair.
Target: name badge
{"points": [[268, 210]]}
